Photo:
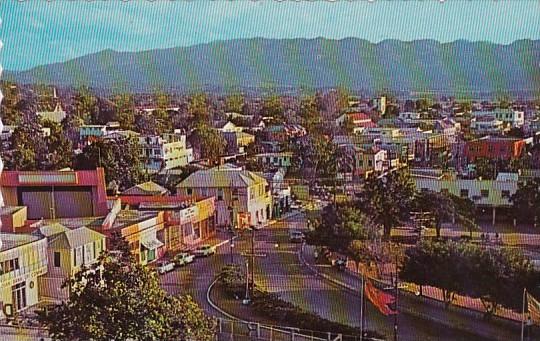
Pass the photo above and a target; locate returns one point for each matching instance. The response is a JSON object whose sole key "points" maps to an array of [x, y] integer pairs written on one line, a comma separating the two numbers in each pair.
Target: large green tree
{"points": [[446, 207], [309, 113], [198, 109], [234, 103], [120, 159], [526, 201], [29, 147], [9, 105], [118, 299], [387, 199], [162, 103], [212, 144], [339, 226], [85, 105], [471, 270], [125, 111], [273, 107], [60, 148]]}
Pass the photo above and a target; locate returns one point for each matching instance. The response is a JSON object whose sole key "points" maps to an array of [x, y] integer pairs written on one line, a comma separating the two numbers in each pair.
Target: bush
{"points": [[232, 279]]}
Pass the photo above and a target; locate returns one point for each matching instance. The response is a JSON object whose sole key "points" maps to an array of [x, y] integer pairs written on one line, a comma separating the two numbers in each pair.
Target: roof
{"points": [[71, 239], [222, 176], [8, 210], [50, 230], [12, 240], [55, 116], [147, 188]]}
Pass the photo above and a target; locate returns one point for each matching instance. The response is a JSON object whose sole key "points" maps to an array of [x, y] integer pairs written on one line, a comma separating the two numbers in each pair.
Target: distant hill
{"points": [[419, 66]]}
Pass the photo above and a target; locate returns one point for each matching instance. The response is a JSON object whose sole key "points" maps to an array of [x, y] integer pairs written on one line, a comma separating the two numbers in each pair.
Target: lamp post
{"points": [[231, 247], [246, 298]]}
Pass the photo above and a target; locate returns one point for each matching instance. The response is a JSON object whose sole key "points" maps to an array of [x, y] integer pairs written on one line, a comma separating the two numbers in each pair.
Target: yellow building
{"points": [[68, 250], [23, 260]]}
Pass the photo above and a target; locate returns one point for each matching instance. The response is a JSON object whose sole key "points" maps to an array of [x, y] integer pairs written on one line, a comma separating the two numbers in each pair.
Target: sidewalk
{"points": [[425, 307]]}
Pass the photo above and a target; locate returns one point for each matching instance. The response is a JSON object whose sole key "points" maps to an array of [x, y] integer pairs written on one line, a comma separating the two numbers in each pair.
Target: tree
{"points": [[60, 148], [211, 143], [85, 105], [444, 207], [10, 113], [161, 115], [198, 108], [235, 103], [125, 111], [273, 107], [486, 168], [468, 269], [309, 113], [120, 159], [29, 147], [387, 200], [339, 226], [118, 299], [526, 201]]}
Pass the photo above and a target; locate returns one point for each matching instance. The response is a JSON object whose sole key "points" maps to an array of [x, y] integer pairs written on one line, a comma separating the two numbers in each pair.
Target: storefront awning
{"points": [[151, 243]]}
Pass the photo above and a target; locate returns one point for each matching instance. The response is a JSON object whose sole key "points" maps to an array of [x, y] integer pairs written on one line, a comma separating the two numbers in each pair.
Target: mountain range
{"points": [[419, 66]]}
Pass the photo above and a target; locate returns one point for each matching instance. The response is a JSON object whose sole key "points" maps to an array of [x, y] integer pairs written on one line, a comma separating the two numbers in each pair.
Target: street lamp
{"points": [[246, 299], [231, 244]]}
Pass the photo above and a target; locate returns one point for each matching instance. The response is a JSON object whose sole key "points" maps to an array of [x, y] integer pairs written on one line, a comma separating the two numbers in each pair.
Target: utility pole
{"points": [[252, 260], [362, 310], [397, 311]]}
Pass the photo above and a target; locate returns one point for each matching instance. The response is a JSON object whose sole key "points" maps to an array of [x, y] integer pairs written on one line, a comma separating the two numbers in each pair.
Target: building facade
{"points": [[238, 193]]}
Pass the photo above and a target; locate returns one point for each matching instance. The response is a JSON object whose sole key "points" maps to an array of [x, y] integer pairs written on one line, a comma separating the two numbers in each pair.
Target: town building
{"points": [[188, 221], [281, 192], [148, 188], [68, 250], [237, 141], [57, 115], [23, 260], [56, 194], [281, 159], [486, 125], [490, 195], [238, 193], [490, 147], [359, 120], [165, 152]]}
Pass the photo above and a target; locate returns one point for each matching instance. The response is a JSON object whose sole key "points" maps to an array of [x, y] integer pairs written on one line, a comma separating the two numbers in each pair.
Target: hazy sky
{"points": [[41, 32]]}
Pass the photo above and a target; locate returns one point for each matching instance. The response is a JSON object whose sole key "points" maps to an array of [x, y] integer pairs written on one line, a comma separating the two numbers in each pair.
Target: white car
{"points": [[204, 251], [165, 266], [183, 258]]}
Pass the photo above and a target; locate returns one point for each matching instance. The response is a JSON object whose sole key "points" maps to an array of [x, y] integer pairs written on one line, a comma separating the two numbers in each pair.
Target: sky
{"points": [[37, 32]]}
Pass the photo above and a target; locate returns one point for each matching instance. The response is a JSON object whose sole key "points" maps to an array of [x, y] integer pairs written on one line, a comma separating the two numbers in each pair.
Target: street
{"points": [[279, 270]]}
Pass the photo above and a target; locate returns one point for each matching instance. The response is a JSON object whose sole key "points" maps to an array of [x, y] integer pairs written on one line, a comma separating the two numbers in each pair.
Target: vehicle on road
{"points": [[296, 237], [204, 251], [165, 266], [295, 206], [183, 258]]}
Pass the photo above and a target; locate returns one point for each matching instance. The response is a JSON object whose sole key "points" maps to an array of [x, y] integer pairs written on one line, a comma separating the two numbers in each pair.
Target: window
{"points": [[57, 259], [484, 193], [444, 190], [220, 194], [464, 193], [505, 194], [424, 189], [189, 191], [18, 292], [10, 265]]}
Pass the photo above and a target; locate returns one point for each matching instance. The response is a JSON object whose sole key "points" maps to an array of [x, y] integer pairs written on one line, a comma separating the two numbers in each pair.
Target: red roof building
{"points": [[56, 194], [494, 148]]}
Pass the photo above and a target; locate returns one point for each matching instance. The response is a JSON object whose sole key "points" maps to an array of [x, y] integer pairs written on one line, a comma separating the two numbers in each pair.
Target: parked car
{"points": [[204, 251], [296, 237], [183, 258], [295, 206], [165, 266]]}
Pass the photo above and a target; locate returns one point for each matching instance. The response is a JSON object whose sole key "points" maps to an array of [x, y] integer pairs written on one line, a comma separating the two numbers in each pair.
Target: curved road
{"points": [[278, 269]]}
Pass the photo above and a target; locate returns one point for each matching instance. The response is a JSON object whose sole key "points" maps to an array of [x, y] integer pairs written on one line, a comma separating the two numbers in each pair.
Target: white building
{"points": [[511, 118], [238, 192], [490, 194], [487, 125], [165, 152]]}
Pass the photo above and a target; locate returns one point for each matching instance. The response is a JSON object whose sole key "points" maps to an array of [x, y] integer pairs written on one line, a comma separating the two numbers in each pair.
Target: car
{"points": [[183, 258], [296, 237], [204, 251], [165, 266], [295, 206]]}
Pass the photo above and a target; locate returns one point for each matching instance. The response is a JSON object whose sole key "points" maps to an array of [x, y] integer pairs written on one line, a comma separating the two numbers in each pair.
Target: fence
{"points": [[233, 330]]}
